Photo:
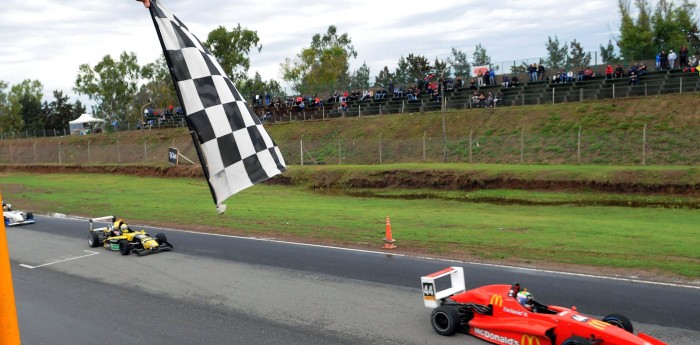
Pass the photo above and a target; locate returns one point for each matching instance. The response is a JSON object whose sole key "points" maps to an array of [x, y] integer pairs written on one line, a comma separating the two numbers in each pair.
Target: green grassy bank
{"points": [[657, 240]]}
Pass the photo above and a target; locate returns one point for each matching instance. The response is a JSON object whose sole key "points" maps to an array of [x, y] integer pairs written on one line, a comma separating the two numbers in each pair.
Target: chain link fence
{"points": [[639, 146]]}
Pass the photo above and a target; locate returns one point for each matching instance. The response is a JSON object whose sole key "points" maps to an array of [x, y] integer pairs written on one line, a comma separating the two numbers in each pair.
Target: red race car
{"points": [[507, 314]]}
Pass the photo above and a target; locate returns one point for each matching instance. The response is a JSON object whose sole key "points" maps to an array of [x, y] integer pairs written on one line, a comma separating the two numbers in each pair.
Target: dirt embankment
{"points": [[435, 180]]}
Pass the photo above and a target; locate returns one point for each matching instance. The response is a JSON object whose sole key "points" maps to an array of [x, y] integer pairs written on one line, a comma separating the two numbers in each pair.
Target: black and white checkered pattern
{"points": [[236, 149]]}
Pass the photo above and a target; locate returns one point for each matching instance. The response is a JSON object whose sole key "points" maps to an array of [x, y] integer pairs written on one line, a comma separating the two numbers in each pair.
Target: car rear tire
{"points": [[161, 239], [576, 341], [124, 247], [620, 321], [445, 320], [94, 240]]}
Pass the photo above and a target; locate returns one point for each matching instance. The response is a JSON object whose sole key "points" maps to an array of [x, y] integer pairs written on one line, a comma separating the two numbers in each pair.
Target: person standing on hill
{"points": [[540, 72], [683, 57], [532, 70], [663, 60], [672, 59]]}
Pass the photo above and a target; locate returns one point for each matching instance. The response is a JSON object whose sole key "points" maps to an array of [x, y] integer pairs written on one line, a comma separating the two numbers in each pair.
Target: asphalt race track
{"points": [[215, 289]]}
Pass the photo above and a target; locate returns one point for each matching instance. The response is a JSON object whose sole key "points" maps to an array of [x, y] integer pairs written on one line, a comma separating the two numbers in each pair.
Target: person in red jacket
{"points": [[609, 72]]}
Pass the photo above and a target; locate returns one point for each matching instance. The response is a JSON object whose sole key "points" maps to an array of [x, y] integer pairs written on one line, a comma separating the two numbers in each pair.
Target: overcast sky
{"points": [[47, 40]]}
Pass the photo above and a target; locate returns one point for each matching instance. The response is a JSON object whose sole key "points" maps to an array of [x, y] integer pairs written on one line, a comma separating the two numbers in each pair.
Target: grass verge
{"points": [[659, 240]]}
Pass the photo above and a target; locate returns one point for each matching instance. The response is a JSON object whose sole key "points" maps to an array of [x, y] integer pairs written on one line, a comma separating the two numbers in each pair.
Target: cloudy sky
{"points": [[47, 40]]}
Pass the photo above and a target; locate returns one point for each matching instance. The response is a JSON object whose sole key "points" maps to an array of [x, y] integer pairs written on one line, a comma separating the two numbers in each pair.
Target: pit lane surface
{"points": [[223, 290]]}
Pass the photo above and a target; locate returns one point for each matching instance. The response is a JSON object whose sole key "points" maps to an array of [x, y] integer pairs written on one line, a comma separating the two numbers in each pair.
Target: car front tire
{"points": [[161, 239], [124, 247], [445, 320]]}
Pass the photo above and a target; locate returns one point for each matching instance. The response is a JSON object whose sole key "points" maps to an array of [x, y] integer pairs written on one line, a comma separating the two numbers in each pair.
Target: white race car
{"points": [[13, 218]]}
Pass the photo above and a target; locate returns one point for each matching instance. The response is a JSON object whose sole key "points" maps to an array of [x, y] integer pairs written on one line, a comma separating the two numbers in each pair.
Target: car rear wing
{"points": [[431, 294], [105, 219]]}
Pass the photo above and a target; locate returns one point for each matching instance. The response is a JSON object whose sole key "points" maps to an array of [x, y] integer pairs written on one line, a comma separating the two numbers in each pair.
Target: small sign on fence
{"points": [[173, 155]]}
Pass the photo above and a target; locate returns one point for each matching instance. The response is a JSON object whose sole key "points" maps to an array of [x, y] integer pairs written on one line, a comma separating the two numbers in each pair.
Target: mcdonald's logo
{"points": [[598, 324], [496, 300], [529, 340]]}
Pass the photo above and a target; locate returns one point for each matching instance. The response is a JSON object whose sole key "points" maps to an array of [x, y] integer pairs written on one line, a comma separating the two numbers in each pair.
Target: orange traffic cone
{"points": [[388, 240]]}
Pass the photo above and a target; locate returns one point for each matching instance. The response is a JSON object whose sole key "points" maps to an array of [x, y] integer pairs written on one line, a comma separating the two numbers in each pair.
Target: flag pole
{"points": [[151, 10], [9, 328]]}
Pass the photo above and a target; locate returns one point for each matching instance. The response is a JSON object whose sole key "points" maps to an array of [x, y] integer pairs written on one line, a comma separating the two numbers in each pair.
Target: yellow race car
{"points": [[117, 235]]}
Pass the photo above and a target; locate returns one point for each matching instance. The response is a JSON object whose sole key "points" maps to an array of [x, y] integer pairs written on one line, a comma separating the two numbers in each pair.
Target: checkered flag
{"points": [[235, 150]]}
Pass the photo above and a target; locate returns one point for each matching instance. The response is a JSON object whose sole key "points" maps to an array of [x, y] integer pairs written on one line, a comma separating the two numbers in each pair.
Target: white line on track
{"points": [[91, 253], [584, 275]]}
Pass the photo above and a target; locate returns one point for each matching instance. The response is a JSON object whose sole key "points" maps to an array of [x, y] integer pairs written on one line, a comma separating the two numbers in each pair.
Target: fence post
{"points": [[613, 91], [644, 145], [522, 145], [380, 148], [645, 89], [89, 161], [580, 96], [339, 153], [301, 151], [323, 112], [553, 94], [11, 152], [471, 132], [119, 157], [424, 146], [59, 153], [359, 110], [35, 152], [145, 152], [403, 106], [578, 145], [681, 87]]}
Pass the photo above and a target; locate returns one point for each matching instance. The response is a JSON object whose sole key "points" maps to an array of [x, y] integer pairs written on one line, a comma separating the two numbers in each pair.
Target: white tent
{"points": [[86, 124], [85, 118]]}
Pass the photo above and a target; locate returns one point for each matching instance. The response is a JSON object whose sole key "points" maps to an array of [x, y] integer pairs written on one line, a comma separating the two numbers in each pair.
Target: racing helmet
{"points": [[124, 228], [525, 299]]}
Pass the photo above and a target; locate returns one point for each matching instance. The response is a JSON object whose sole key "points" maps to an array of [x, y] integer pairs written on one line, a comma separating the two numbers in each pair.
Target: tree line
{"points": [[120, 88]]}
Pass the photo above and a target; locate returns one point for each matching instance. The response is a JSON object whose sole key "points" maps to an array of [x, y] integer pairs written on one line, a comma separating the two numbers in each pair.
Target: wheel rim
{"points": [[441, 321], [615, 322]]}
